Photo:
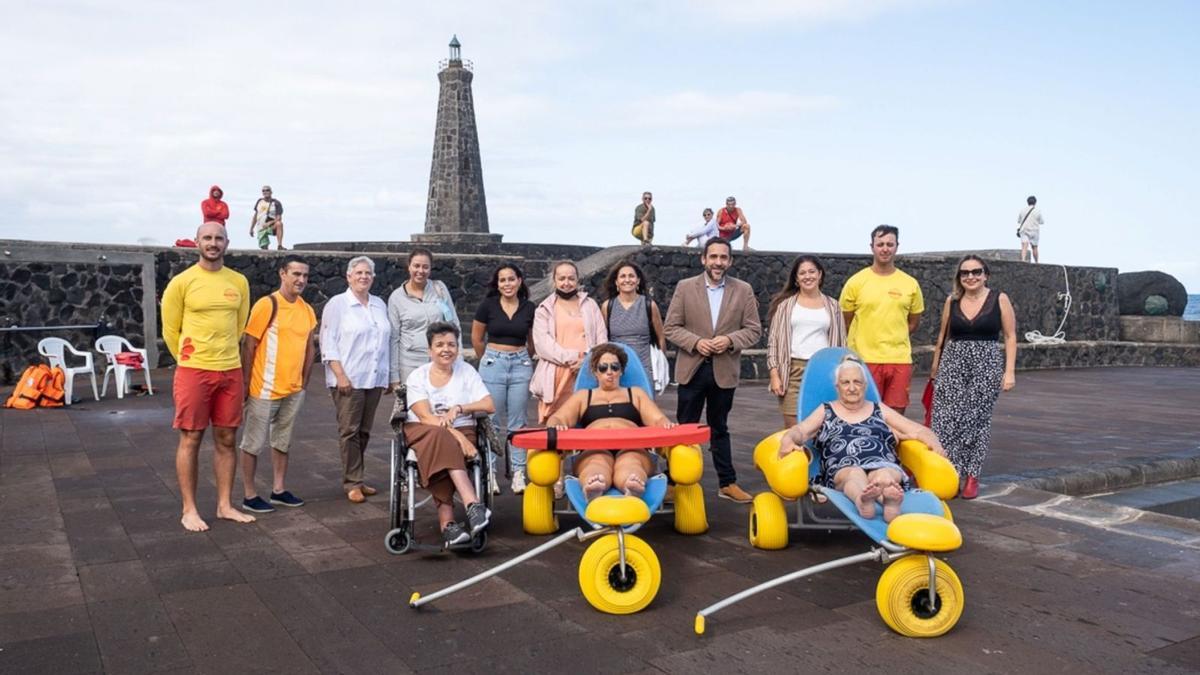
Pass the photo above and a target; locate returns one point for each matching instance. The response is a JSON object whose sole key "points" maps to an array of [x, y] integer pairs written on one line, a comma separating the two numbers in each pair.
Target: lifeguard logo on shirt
{"points": [[185, 352], [232, 295], [895, 293]]}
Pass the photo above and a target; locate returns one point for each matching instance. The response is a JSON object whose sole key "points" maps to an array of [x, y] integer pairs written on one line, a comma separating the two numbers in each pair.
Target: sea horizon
{"points": [[1192, 311]]}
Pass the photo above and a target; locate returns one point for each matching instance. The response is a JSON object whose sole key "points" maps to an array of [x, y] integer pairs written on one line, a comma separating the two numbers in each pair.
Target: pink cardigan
{"points": [[550, 355]]}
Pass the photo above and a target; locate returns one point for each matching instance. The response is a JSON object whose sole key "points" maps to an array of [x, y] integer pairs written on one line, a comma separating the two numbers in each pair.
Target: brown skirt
{"points": [[787, 404], [438, 452]]}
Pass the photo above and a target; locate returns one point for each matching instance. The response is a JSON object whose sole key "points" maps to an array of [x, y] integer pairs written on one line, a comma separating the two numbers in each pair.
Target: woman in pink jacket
{"points": [[565, 326]]}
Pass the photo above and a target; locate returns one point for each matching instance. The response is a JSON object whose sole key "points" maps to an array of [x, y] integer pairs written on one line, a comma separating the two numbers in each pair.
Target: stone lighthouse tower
{"points": [[457, 208]]}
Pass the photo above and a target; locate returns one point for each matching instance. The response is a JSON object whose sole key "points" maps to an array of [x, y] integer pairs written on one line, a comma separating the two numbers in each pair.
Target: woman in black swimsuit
{"points": [[610, 406]]}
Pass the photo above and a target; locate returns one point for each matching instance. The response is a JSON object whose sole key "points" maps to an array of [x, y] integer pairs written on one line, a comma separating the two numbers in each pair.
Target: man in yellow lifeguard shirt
{"points": [[203, 312], [883, 306], [277, 353]]}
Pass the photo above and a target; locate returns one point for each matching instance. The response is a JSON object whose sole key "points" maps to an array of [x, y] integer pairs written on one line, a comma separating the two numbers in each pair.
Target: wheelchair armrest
{"points": [[932, 471], [788, 477]]}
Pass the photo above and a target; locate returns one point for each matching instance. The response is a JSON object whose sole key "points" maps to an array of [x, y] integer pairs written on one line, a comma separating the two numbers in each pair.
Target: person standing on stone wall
{"points": [[1029, 228], [643, 220], [277, 355], [731, 223], [882, 306], [415, 305], [267, 220], [213, 209], [712, 318], [203, 312]]}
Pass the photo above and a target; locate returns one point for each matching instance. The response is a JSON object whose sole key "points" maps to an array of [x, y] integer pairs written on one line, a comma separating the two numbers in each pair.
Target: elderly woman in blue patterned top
{"points": [[856, 439]]}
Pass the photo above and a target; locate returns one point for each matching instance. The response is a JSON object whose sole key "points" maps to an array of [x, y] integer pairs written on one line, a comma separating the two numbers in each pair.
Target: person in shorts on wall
{"points": [[277, 354], [643, 220], [204, 309], [1029, 229], [267, 220], [732, 224], [883, 307]]}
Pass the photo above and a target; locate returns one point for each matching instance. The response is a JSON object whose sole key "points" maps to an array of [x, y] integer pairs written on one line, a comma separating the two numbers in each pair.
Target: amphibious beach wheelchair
{"points": [[917, 595], [405, 481], [619, 573]]}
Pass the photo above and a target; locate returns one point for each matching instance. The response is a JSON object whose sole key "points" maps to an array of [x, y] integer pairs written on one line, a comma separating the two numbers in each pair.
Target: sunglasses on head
{"points": [[605, 367], [973, 272]]}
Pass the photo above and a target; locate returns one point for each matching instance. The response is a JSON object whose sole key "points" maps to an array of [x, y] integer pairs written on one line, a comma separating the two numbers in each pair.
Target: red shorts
{"points": [[893, 380], [208, 396]]}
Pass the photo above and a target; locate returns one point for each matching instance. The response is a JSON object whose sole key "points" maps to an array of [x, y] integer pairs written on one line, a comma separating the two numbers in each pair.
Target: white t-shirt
{"points": [[810, 331], [465, 387]]}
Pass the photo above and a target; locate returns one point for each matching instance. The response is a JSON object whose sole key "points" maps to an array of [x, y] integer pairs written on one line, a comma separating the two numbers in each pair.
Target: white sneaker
{"points": [[518, 482]]}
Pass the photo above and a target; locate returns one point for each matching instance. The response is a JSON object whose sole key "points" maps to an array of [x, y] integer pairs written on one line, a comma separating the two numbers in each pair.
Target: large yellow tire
{"points": [[600, 575], [768, 522], [690, 517], [537, 510], [902, 597]]}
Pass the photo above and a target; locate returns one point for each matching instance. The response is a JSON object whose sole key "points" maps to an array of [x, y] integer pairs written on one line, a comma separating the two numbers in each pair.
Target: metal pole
{"points": [[621, 550], [932, 582]]}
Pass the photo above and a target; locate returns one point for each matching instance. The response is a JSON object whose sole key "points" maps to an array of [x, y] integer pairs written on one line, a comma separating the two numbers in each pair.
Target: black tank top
{"points": [[983, 328], [622, 409]]}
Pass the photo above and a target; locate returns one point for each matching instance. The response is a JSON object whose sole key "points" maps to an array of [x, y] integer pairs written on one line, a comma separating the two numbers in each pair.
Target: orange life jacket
{"points": [[39, 385]]}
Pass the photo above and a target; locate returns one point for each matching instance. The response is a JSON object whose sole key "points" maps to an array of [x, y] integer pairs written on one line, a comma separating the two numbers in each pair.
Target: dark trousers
{"points": [[693, 397], [355, 415]]}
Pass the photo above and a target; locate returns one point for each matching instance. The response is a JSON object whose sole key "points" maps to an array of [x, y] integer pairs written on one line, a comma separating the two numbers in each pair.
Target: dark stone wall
{"points": [[49, 294]]}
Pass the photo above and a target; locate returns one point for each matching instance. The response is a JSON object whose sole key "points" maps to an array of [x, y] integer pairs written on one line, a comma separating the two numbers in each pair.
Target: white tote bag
{"points": [[661, 368]]}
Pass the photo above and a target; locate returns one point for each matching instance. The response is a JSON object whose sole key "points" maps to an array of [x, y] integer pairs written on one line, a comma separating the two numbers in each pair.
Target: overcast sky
{"points": [[823, 117]]}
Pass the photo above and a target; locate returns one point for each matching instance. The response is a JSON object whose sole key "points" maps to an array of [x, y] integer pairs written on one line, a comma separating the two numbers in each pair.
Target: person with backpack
{"points": [[277, 355], [632, 318]]}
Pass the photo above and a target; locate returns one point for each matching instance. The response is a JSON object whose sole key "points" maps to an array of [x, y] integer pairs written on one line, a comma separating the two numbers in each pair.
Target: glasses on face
{"points": [[605, 367], [646, 199], [973, 272]]}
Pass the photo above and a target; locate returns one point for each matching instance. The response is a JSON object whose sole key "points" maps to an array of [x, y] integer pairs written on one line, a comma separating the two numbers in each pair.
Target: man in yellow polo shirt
{"points": [[883, 306], [277, 353], [203, 312]]}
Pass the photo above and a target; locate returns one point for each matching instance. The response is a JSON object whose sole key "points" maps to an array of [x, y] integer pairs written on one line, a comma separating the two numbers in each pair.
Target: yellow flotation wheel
{"points": [[690, 516], [902, 597], [537, 510], [768, 522], [601, 581]]}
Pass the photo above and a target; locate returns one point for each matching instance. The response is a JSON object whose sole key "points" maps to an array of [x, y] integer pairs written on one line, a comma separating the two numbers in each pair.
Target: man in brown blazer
{"points": [[712, 318]]}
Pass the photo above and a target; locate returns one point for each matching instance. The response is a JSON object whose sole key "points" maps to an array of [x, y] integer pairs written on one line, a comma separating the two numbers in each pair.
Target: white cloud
{"points": [[694, 109], [805, 12]]}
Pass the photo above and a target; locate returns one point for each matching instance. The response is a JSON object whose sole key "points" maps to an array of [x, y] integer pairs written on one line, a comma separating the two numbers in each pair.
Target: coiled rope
{"points": [[1036, 337]]}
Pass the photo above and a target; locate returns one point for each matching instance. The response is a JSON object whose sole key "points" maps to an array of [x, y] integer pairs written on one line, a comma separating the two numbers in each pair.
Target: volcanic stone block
{"points": [[1135, 288]]}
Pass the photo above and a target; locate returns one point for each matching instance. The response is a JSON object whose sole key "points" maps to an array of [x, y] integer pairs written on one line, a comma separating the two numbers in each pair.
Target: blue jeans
{"points": [[506, 376]]}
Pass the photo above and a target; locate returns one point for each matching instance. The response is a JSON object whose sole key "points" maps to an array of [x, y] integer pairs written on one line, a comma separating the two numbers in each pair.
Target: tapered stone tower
{"points": [[457, 208]]}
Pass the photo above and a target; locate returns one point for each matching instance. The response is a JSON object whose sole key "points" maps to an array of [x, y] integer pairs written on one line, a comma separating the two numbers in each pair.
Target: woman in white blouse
{"points": [[803, 321], [355, 335]]}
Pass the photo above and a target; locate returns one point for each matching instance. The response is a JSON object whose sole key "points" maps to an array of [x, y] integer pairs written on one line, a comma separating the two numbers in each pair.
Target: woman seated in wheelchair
{"points": [[442, 397], [610, 407], [856, 440]]}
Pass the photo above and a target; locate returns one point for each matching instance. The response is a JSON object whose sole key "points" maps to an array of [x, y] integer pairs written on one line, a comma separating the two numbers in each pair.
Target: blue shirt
{"points": [[715, 295]]}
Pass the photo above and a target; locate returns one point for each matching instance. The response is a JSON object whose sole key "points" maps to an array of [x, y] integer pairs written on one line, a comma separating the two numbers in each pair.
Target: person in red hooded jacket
{"points": [[213, 208]]}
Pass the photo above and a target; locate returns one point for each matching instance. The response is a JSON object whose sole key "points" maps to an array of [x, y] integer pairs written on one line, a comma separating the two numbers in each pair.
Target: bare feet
{"points": [[230, 513], [192, 522], [866, 500], [595, 486], [634, 486], [892, 497]]}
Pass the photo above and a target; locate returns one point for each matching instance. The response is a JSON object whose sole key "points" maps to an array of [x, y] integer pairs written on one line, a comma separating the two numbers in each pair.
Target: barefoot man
{"points": [[204, 310]]}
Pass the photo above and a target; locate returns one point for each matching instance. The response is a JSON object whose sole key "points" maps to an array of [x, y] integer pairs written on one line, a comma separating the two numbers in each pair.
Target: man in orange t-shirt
{"points": [[277, 353]]}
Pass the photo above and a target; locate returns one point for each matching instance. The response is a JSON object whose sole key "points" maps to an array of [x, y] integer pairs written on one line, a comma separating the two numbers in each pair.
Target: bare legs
{"points": [[187, 459], [466, 492], [865, 489], [599, 470], [279, 463]]}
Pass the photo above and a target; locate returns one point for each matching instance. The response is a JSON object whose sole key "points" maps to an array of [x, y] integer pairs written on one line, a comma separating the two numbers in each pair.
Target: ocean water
{"points": [[1192, 311]]}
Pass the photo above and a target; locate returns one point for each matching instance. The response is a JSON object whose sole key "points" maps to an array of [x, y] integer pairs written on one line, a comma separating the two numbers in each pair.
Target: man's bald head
{"points": [[208, 227]]}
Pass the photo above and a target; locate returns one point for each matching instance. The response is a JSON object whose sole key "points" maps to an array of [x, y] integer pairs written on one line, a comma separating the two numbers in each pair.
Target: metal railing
{"points": [[466, 64]]}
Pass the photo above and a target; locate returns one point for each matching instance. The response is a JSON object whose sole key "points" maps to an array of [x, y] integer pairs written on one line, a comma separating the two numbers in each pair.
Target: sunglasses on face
{"points": [[605, 367], [974, 272]]}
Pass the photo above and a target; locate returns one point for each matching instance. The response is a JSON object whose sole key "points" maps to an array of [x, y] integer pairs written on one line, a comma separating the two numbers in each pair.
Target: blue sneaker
{"points": [[257, 505], [286, 498]]}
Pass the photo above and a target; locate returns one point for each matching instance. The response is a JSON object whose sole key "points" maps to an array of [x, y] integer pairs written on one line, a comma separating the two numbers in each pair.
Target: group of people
{"points": [[729, 224], [412, 345], [266, 220]]}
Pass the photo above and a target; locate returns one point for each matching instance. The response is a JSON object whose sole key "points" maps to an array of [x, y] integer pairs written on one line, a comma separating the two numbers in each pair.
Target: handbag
{"points": [[661, 369], [927, 395], [1022, 223]]}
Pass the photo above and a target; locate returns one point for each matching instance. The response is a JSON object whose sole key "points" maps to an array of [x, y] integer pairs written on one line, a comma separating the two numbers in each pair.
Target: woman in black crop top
{"points": [[970, 368], [500, 336], [610, 406]]}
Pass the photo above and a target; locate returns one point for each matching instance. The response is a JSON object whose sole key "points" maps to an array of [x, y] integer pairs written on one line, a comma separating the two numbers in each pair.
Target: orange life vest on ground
{"points": [[39, 386]]}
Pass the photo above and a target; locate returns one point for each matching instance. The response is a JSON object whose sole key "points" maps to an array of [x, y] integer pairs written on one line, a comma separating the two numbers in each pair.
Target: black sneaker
{"points": [[286, 498], [454, 534], [478, 517], [257, 505]]}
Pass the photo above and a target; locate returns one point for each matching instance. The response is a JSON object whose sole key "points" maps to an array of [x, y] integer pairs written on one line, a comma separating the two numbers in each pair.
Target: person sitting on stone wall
{"points": [[643, 220]]}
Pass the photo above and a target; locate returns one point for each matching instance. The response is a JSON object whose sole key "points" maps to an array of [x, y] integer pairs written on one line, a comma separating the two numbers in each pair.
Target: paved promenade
{"points": [[96, 573]]}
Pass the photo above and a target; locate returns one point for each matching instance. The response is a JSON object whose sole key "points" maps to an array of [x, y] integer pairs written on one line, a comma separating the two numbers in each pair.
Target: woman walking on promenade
{"points": [[417, 303], [631, 316], [565, 326], [502, 337], [969, 370], [803, 320], [354, 346]]}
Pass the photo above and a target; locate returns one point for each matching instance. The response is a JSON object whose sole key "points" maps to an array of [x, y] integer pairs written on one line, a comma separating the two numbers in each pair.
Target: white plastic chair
{"points": [[54, 349], [110, 346]]}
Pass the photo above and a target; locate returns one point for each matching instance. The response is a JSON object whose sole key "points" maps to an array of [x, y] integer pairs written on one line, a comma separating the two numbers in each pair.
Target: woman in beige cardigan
{"points": [[803, 320]]}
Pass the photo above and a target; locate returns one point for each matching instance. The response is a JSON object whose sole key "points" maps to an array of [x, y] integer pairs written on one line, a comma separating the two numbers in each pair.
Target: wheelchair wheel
{"points": [[479, 542], [768, 522], [600, 575], [689, 510], [902, 597], [537, 510], [397, 541]]}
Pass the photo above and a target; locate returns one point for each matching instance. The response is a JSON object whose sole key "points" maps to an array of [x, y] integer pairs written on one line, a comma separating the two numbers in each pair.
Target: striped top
{"points": [[278, 369]]}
